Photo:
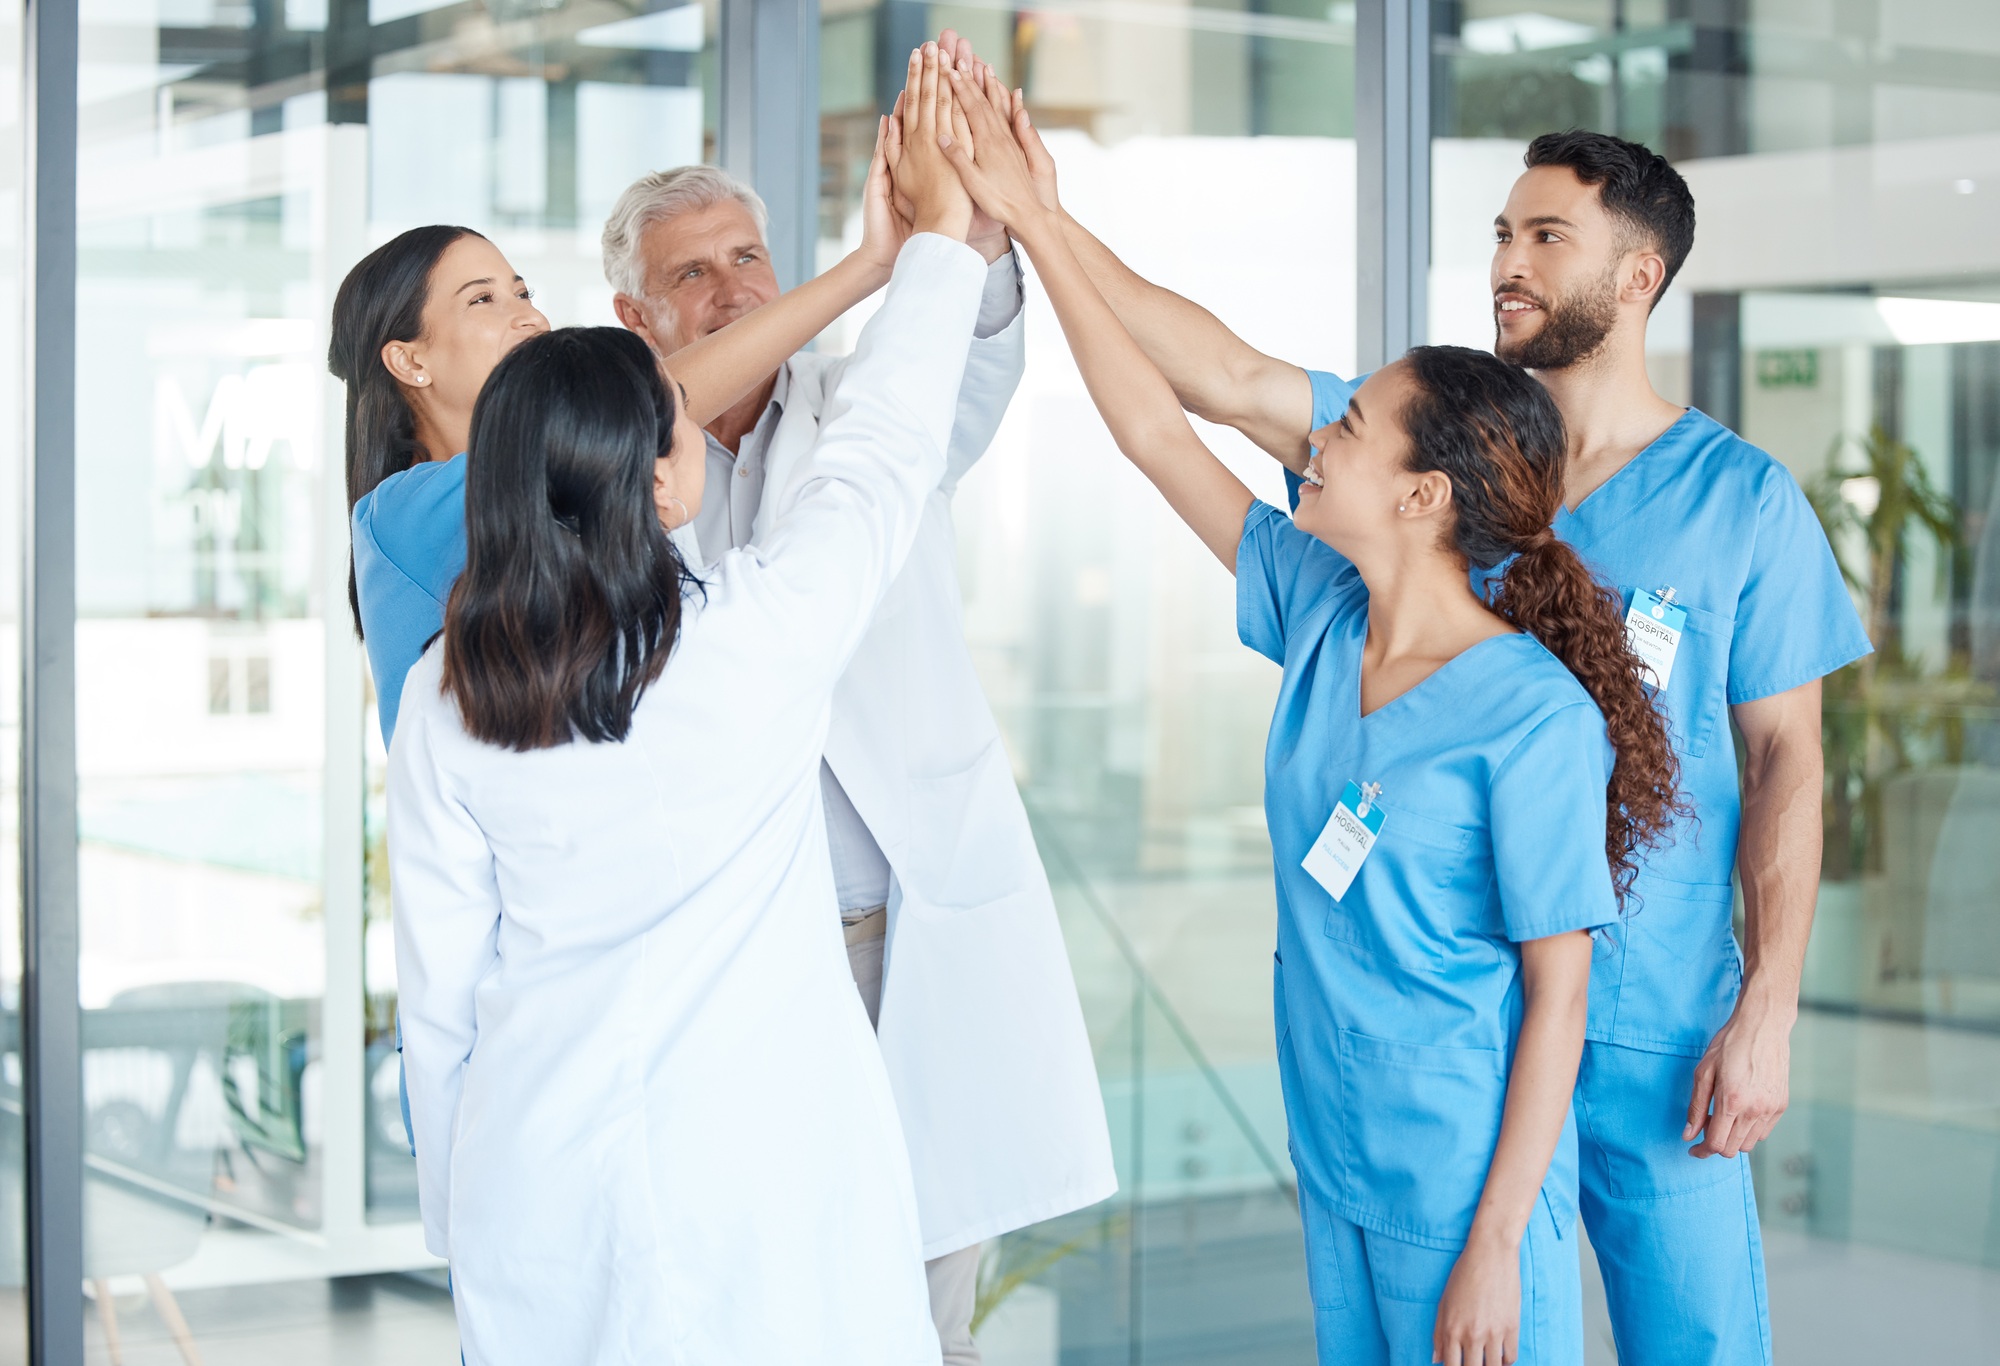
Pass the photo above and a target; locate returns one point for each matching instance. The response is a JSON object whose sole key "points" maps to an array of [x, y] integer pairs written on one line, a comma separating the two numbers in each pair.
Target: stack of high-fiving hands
{"points": [[959, 154]]}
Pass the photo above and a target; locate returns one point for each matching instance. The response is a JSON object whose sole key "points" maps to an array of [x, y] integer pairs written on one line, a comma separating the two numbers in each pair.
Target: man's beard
{"points": [[1572, 331]]}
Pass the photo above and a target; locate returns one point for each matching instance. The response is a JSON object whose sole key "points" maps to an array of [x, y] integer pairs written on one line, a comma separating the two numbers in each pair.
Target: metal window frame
{"points": [[1392, 133], [770, 121], [51, 1021]]}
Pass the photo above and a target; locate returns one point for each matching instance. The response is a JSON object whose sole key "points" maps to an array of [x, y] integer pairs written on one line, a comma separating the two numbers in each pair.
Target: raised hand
{"points": [[986, 236], [885, 224], [1041, 166], [988, 159], [939, 202]]}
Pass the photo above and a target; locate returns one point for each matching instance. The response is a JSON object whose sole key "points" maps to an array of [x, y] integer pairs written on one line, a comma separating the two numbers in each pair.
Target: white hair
{"points": [[656, 197]]}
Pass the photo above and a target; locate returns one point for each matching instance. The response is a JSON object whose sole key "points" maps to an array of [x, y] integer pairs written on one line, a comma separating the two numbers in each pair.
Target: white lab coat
{"points": [[652, 1125], [980, 1024]]}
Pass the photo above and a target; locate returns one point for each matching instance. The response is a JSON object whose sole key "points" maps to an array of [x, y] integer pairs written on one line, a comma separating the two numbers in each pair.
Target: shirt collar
{"points": [[775, 409]]}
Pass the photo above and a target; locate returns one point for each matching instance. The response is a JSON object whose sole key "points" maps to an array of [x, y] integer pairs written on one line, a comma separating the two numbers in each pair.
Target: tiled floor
{"points": [[355, 1321], [1834, 1304]]}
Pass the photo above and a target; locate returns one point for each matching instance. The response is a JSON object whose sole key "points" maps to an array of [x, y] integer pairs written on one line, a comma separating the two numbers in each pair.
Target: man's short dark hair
{"points": [[1636, 185]]}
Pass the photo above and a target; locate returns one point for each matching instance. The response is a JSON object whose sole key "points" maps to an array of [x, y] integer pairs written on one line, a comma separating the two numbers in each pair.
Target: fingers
{"points": [[928, 92], [1699, 1100], [892, 139], [996, 94], [975, 111], [959, 127], [909, 104], [1724, 1132]]}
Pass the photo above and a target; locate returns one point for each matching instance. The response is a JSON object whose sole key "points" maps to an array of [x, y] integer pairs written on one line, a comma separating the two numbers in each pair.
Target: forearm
{"points": [[1136, 402], [721, 368], [1778, 861], [1214, 374], [1556, 984]]}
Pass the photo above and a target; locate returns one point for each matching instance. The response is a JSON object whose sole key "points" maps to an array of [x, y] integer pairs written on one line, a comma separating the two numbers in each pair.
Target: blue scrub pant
{"points": [[1676, 1236], [1375, 1298]]}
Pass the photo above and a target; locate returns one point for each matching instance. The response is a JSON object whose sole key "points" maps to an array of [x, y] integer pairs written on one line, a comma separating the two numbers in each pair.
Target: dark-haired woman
{"points": [[1456, 790], [420, 323], [652, 1123]]}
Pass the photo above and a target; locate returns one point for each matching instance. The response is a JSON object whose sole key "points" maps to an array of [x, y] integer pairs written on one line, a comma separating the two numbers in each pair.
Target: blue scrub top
{"points": [[1399, 1004], [1704, 512], [409, 549]]}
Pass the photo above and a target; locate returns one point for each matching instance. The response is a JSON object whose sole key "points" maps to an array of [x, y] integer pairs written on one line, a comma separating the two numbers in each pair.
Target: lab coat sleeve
{"points": [[993, 369], [1548, 804], [447, 938], [845, 522]]}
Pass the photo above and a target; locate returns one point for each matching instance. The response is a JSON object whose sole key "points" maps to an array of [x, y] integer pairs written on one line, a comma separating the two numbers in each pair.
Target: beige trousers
{"points": [[954, 1277]]}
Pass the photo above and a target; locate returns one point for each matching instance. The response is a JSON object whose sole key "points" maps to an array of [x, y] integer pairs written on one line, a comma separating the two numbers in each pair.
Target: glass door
{"points": [[247, 1175], [1213, 147]]}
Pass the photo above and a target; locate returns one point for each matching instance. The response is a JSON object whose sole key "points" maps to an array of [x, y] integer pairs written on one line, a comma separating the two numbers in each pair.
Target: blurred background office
{"points": [[1323, 176]]}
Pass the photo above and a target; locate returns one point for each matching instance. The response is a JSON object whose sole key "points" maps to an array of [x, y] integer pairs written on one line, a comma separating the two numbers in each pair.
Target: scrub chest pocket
{"points": [[1414, 859], [1694, 694]]}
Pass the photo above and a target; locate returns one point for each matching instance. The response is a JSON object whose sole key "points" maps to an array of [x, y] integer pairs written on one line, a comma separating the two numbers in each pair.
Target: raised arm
{"points": [[845, 520], [1136, 401], [721, 368], [1215, 374]]}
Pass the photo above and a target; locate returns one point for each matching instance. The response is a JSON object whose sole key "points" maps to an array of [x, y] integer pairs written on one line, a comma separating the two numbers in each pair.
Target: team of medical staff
{"points": [[663, 621]]}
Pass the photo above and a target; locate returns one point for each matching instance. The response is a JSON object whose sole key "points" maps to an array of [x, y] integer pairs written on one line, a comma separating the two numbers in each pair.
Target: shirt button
{"points": [[743, 474]]}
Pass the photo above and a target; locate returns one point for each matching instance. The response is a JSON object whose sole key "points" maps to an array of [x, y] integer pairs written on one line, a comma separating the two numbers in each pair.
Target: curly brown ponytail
{"points": [[1496, 434]]}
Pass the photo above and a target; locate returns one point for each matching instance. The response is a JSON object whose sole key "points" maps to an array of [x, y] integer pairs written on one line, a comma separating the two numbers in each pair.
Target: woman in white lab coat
{"points": [[652, 1124]]}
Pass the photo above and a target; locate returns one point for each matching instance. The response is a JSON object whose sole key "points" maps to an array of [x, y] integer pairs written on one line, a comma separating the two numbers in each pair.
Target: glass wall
{"points": [[1841, 309], [249, 1191], [1213, 147], [237, 978]]}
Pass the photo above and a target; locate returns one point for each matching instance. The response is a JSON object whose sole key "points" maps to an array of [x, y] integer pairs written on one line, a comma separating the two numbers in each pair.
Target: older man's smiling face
{"points": [[704, 269]]}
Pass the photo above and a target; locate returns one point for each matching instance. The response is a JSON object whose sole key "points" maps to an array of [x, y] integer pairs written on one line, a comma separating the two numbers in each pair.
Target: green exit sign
{"points": [[1788, 369]]}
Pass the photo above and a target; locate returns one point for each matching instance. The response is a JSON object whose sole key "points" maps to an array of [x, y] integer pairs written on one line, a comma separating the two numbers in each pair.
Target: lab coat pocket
{"points": [[969, 839], [1394, 909], [1420, 1122]]}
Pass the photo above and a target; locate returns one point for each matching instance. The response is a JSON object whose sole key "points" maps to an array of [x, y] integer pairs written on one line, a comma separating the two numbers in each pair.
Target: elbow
{"points": [[1223, 395]]}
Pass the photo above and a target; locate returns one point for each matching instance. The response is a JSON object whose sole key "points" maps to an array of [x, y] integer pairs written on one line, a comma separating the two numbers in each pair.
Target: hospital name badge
{"points": [[1337, 855], [1653, 627]]}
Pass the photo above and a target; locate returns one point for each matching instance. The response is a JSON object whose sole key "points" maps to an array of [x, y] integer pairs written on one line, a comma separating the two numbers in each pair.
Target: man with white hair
{"points": [[948, 919]]}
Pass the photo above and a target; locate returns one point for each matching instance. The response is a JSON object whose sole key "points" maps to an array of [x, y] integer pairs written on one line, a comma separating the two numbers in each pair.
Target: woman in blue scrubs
{"points": [[1457, 790]]}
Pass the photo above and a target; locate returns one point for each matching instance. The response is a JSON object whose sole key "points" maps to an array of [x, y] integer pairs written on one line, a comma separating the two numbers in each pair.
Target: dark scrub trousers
{"points": [[1398, 997], [1724, 526]]}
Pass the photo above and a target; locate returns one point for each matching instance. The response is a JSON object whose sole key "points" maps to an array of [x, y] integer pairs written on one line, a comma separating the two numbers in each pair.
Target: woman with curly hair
{"points": [[1458, 786]]}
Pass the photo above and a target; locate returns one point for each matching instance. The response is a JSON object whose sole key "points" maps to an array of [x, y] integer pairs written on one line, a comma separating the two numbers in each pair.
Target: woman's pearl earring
{"points": [[1402, 507]]}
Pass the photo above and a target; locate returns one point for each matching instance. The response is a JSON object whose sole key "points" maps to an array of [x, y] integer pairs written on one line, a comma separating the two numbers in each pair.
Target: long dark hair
{"points": [[571, 596], [381, 300], [1493, 430]]}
